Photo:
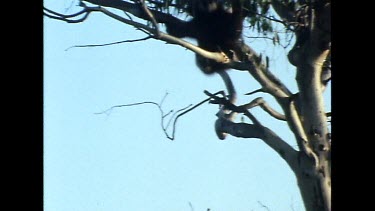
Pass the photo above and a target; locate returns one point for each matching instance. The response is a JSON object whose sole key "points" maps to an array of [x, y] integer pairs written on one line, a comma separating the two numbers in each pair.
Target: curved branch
{"points": [[256, 91], [136, 10], [223, 112], [188, 110], [244, 130], [264, 105], [58, 16]]}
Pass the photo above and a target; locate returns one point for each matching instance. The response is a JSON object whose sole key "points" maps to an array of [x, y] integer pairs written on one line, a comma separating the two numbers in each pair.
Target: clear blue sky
{"points": [[123, 161]]}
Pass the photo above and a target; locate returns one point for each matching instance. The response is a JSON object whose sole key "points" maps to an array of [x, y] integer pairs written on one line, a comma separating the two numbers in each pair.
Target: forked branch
{"points": [[163, 115], [255, 130]]}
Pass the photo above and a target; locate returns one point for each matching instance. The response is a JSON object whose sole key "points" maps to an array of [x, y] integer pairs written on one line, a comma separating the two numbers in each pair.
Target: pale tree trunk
{"points": [[310, 56], [314, 179], [314, 173]]}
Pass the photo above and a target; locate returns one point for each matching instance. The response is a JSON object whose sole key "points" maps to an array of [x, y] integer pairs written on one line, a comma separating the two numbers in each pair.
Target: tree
{"points": [[309, 22]]}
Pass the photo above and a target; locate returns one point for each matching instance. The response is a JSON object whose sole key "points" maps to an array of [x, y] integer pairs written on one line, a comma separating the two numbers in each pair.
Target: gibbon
{"points": [[216, 29]]}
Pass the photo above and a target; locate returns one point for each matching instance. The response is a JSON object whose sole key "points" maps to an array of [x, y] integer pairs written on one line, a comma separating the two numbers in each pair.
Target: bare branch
{"points": [[260, 72], [227, 104], [151, 17], [135, 9], [256, 130], [301, 137], [253, 92], [191, 206], [190, 109], [58, 16], [141, 103], [107, 44], [125, 105], [162, 100], [244, 130], [264, 105], [176, 115], [264, 206], [260, 37], [272, 18], [64, 16], [223, 112]]}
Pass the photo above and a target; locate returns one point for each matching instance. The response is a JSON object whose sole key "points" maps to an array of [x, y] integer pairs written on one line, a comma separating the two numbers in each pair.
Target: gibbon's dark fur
{"points": [[216, 29]]}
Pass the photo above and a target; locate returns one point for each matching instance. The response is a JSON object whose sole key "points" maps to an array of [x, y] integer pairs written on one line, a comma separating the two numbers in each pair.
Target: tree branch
{"points": [[54, 15], [244, 130], [162, 114], [151, 17], [263, 104], [107, 44], [297, 128]]}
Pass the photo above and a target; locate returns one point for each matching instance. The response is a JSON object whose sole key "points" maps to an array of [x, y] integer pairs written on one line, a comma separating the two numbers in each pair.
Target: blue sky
{"points": [[122, 160]]}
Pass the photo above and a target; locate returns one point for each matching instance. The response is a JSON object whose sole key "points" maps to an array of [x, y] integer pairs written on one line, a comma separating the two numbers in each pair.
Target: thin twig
{"points": [[264, 206], [107, 44], [192, 108], [163, 99], [125, 105], [258, 90], [184, 111]]}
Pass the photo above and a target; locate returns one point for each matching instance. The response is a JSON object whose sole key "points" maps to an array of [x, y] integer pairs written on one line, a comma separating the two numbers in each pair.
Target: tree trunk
{"points": [[309, 55], [314, 173], [315, 189]]}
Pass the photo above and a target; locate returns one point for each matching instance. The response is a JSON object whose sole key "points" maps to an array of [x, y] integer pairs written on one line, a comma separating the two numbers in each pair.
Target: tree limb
{"points": [[256, 130], [244, 130], [58, 16], [151, 17], [299, 132], [264, 105]]}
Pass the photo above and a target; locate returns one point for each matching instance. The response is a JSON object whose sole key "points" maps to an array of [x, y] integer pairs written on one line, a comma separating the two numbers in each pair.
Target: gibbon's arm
{"points": [[238, 16], [181, 29]]}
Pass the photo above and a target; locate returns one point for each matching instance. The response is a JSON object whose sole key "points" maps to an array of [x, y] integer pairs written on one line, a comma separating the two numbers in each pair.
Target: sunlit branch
{"points": [[151, 17], [264, 105]]}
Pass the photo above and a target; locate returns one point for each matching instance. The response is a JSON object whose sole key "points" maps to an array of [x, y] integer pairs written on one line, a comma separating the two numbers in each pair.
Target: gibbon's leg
{"points": [[223, 114]]}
